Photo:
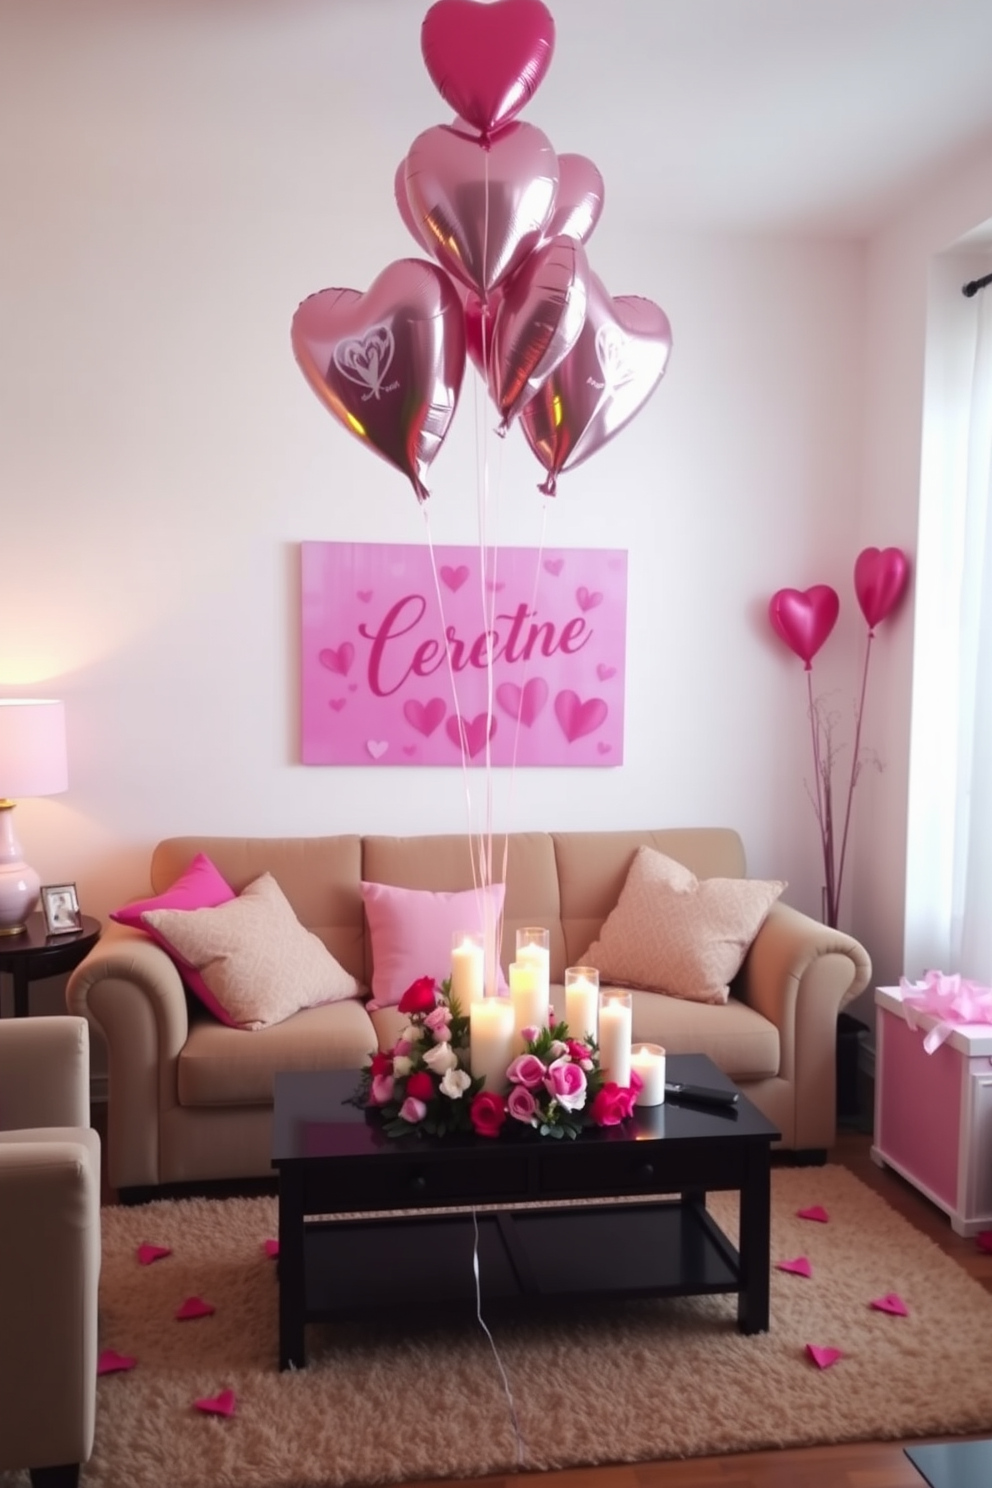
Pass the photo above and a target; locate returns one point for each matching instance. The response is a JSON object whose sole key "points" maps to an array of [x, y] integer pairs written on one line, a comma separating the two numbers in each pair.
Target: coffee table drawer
{"points": [[629, 1168], [409, 1181]]}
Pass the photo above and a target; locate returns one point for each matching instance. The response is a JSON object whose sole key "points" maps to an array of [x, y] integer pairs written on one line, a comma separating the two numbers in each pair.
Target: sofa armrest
{"points": [[800, 974], [130, 990], [44, 1072]]}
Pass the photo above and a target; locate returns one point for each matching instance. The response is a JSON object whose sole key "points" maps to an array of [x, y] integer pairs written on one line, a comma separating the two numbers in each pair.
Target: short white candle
{"points": [[582, 1001], [529, 999], [468, 969], [649, 1062], [491, 1041], [615, 1023]]}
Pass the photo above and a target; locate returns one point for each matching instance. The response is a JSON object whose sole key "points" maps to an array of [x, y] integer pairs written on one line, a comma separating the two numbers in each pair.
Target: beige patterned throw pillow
{"points": [[672, 932], [258, 962]]}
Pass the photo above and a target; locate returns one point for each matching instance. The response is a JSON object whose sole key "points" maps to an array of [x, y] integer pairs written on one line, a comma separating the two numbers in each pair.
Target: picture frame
{"points": [[60, 906]]}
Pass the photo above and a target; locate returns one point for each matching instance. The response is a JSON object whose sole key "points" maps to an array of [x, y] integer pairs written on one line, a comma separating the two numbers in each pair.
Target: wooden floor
{"points": [[863, 1465]]}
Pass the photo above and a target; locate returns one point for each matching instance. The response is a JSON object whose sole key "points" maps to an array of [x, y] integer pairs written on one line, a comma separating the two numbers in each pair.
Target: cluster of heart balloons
{"points": [[804, 618], [504, 219]]}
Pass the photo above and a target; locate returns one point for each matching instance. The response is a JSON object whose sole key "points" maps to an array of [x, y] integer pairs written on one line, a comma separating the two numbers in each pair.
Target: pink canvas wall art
{"points": [[377, 688]]}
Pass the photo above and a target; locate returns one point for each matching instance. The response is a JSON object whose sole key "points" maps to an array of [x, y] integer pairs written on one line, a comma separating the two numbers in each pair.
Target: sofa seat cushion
{"points": [[229, 1067], [738, 1040], [82, 1136]]}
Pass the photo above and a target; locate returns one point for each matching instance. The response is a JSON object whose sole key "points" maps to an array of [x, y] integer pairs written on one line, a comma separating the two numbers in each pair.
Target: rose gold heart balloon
{"points": [[389, 363], [486, 61], [539, 321], [481, 210], [579, 202], [607, 377]]}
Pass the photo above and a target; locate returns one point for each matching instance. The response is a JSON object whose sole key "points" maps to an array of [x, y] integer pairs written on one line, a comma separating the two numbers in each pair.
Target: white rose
{"points": [[413, 1033], [402, 1066], [440, 1059], [455, 1083]]}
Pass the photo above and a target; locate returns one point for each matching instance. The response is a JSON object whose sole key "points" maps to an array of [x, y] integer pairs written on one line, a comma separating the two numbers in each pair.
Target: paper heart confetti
{"points": [[111, 1362], [271, 1248], [224, 1404], [149, 1253], [194, 1307], [984, 1241], [800, 1266], [891, 1302], [816, 1212], [823, 1357]]}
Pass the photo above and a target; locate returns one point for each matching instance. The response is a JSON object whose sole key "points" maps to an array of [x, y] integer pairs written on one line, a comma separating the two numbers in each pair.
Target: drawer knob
{"points": [[419, 1184], [647, 1170]]}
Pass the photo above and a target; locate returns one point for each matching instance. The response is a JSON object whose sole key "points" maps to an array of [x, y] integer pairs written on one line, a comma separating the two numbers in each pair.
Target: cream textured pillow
{"points": [[257, 961], [672, 932]]}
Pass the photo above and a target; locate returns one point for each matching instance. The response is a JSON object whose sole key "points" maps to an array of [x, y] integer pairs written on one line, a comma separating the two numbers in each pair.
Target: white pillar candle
{"points": [[468, 968], [649, 1062], [615, 1023], [582, 1001], [534, 949], [491, 1036], [529, 1000]]}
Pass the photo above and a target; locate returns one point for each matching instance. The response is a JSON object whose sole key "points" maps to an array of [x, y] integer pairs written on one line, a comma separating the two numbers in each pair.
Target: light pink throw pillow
{"points": [[412, 932]]}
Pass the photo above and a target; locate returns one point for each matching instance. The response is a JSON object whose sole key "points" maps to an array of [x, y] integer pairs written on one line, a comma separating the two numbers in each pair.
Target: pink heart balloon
{"points": [[579, 202], [880, 578], [539, 321], [804, 618], [487, 61], [481, 210], [389, 363], [607, 377]]}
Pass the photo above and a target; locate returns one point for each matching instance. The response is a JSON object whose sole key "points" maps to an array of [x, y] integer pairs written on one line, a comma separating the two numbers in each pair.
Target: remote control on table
{"points": [[704, 1095]]}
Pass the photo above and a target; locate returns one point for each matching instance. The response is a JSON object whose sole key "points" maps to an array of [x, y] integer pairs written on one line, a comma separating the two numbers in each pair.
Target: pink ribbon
{"points": [[950, 999]]}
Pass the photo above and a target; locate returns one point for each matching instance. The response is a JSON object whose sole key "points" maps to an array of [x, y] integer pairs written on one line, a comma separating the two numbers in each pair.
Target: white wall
{"points": [[170, 195]]}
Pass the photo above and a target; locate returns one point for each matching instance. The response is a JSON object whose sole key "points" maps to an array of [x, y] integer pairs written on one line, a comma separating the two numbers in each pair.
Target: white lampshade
{"points": [[32, 763]]}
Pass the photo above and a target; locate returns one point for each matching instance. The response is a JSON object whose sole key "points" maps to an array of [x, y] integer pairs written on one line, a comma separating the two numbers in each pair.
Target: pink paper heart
{"points": [[578, 718], [554, 566], [603, 748], [409, 749], [194, 1307], [148, 1253], [799, 1267], [224, 1404], [487, 61], [470, 733], [337, 703], [823, 1357], [453, 578], [984, 1241], [816, 1212], [891, 1302], [604, 672], [424, 717], [111, 1362], [365, 595], [579, 202], [803, 619], [271, 1248], [376, 747], [525, 704], [880, 577], [338, 660], [588, 599]]}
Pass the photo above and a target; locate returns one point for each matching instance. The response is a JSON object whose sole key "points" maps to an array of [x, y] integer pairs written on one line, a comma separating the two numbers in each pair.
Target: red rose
{"points": [[488, 1113], [612, 1105], [420, 1086], [419, 997], [382, 1064]]}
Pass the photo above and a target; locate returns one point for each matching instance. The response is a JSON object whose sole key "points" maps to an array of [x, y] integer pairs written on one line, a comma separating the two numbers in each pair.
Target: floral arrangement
{"points": [[424, 1084]]}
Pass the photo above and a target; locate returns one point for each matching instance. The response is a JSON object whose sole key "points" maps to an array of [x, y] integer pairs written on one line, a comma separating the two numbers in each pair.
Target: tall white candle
{"points": [[468, 969], [491, 1035], [534, 949], [582, 1001], [529, 1000], [615, 1024], [649, 1062]]}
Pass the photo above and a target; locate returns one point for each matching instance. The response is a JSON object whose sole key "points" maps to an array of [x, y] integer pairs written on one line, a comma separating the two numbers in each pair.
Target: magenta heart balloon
{"points": [[804, 618], [579, 202], [487, 61], [607, 377], [389, 363], [880, 577], [539, 321], [479, 210]]}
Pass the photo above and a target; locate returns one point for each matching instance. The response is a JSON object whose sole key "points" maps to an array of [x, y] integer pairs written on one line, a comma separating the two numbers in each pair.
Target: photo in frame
{"points": [[60, 906]]}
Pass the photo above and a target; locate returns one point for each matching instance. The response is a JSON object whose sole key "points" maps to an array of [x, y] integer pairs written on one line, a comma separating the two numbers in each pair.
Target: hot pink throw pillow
{"points": [[412, 931], [201, 886]]}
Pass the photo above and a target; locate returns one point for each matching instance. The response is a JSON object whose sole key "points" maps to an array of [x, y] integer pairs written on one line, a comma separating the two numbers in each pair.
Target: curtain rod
{"points": [[974, 285]]}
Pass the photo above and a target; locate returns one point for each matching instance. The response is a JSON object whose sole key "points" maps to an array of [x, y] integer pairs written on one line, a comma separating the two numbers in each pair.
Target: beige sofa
{"points": [[191, 1099]]}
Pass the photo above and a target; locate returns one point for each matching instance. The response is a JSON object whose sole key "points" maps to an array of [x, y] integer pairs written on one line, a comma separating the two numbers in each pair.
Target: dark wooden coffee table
{"points": [[335, 1159]]}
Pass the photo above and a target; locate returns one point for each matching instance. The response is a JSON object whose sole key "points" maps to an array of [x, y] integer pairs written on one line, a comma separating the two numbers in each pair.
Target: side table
{"points": [[33, 953]]}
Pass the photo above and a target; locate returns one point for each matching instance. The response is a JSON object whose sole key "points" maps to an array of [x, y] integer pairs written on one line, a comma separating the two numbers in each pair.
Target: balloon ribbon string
{"points": [[822, 793], [855, 767], [462, 741], [521, 1445]]}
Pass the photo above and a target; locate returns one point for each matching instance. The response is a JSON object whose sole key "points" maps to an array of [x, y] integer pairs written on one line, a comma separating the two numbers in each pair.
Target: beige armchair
{"points": [[49, 1249]]}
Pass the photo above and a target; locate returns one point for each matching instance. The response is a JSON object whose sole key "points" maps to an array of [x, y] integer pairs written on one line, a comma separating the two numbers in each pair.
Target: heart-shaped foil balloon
{"points": [[880, 577], [579, 202], [481, 211], [487, 61], [540, 319], [616, 364], [388, 363], [803, 618]]}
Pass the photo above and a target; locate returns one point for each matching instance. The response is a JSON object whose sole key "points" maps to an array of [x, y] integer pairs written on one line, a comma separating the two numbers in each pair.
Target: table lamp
{"points": [[32, 763]]}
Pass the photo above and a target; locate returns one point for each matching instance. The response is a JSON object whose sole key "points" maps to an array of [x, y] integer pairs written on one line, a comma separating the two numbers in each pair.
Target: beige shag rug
{"points": [[382, 1403]]}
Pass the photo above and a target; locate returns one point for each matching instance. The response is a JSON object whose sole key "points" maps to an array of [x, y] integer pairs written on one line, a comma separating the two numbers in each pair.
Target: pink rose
{"points": [[530, 1033], [413, 1110], [488, 1112], [438, 1021], [401, 1046], [526, 1070], [521, 1104], [381, 1090], [636, 1083], [578, 1051], [382, 1064], [566, 1082], [419, 997], [612, 1104], [420, 1086]]}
